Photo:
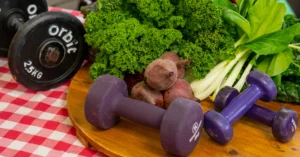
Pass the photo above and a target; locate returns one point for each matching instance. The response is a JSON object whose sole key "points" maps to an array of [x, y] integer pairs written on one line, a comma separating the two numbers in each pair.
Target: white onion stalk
{"points": [[216, 83], [239, 85]]}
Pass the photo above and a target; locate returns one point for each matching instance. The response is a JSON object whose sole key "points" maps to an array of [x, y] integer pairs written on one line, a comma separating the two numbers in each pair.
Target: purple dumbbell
{"points": [[284, 123], [218, 125], [180, 126]]}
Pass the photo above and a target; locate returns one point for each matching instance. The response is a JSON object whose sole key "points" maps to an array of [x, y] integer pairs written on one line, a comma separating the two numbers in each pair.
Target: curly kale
{"points": [[207, 49], [129, 34], [290, 20], [110, 5], [153, 9], [200, 14], [129, 46]]}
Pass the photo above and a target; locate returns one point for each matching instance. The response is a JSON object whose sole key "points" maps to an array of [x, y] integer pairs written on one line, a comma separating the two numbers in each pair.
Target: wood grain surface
{"points": [[130, 139]]}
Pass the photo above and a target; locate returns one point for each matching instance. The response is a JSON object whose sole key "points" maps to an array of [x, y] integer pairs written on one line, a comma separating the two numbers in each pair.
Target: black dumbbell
{"points": [[27, 9], [44, 49], [180, 126]]}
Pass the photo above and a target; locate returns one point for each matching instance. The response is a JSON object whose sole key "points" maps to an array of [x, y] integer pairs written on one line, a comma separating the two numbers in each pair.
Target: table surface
{"points": [[127, 138], [36, 123]]}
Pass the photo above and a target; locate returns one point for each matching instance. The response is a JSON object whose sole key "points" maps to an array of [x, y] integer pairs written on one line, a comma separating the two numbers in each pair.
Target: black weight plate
{"points": [[29, 8], [48, 33]]}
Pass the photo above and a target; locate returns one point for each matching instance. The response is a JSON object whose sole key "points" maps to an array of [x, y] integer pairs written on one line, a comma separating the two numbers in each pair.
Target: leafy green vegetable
{"points": [[220, 38], [275, 42], [128, 34], [288, 86], [263, 45], [288, 92], [290, 20], [230, 15], [263, 63], [294, 69], [244, 6], [199, 14], [265, 17], [276, 64], [128, 46], [226, 4], [109, 5]]}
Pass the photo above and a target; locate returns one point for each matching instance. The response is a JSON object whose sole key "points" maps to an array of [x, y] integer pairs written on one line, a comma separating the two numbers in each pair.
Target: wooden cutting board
{"points": [[133, 140]]}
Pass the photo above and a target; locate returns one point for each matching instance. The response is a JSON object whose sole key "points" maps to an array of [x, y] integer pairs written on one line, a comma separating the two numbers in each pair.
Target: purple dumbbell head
{"points": [[284, 123], [181, 126], [265, 83], [224, 97], [101, 100], [217, 127]]}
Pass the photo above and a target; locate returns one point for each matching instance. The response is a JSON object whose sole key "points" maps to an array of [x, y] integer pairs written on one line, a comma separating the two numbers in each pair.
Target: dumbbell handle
{"points": [[261, 114], [15, 21], [239, 106], [140, 112]]}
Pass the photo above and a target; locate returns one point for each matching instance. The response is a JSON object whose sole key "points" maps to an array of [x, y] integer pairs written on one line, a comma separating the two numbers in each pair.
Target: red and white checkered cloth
{"points": [[36, 123], [73, 12]]}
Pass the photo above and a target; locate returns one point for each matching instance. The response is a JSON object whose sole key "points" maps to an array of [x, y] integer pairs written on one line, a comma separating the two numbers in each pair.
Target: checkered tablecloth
{"points": [[36, 123]]}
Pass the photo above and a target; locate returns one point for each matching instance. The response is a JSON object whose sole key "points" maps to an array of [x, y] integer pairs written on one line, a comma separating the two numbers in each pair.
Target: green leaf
{"points": [[293, 72], [253, 61], [244, 6], [275, 42], [274, 65], [265, 16], [263, 66], [289, 89], [238, 19], [277, 80], [281, 62], [226, 4]]}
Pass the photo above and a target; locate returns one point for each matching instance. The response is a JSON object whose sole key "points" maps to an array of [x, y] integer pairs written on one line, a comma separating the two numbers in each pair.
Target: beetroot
{"points": [[181, 88], [143, 92], [132, 79], [161, 74], [179, 63]]}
